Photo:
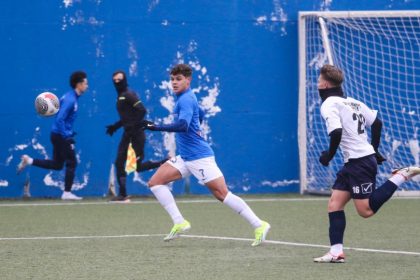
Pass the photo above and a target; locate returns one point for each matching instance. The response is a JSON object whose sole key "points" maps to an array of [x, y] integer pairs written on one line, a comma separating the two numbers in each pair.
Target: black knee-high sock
{"points": [[337, 226], [381, 195]]}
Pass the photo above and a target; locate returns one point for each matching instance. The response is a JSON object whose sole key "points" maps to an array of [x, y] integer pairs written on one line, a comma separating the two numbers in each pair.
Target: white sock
{"points": [[397, 179], [30, 160], [166, 199], [240, 206], [336, 249]]}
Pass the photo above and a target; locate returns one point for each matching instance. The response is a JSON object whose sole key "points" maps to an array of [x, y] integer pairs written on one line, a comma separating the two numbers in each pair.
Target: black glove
{"points": [[110, 129], [325, 158], [379, 157], [148, 125]]}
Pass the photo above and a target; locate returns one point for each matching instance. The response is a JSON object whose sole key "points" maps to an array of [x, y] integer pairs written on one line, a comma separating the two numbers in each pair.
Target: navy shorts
{"points": [[358, 176]]}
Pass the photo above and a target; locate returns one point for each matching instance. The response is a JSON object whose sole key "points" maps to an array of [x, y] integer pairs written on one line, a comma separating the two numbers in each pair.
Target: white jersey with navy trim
{"points": [[352, 116]]}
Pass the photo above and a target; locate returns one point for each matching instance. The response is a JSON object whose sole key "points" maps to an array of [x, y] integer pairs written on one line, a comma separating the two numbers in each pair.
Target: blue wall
{"points": [[244, 53]]}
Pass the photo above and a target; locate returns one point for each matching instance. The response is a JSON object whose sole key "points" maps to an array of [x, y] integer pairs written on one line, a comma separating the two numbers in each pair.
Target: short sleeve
{"points": [[331, 115], [369, 114]]}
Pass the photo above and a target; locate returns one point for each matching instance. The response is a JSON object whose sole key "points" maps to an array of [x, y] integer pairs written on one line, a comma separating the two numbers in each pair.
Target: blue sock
{"points": [[337, 226], [381, 195]]}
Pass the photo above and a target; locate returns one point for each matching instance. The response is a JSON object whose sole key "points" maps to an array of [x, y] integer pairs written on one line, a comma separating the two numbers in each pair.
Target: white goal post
{"points": [[379, 53]]}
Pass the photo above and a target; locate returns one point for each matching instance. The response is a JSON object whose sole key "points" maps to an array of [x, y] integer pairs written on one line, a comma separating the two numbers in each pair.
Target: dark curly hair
{"points": [[183, 69], [77, 77]]}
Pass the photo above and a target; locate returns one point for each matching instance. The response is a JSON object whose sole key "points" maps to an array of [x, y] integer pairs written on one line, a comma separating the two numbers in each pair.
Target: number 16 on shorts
{"points": [[364, 188]]}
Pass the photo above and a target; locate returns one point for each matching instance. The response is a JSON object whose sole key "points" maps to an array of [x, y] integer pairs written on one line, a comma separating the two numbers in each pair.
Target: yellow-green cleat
{"points": [[261, 233], [178, 229]]}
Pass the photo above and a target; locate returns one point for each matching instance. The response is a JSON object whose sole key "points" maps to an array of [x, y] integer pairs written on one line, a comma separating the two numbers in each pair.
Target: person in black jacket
{"points": [[132, 112]]}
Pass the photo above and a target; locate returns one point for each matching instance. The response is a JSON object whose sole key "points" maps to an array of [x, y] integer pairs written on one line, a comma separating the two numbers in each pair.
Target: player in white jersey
{"points": [[346, 120], [195, 157]]}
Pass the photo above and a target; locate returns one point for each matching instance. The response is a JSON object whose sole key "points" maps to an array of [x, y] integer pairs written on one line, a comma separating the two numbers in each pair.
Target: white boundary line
{"points": [[79, 237], [66, 203], [276, 242], [304, 244]]}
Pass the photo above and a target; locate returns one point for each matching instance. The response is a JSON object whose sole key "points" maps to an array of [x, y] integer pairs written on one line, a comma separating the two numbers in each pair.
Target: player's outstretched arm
{"points": [[178, 126], [335, 139], [376, 139]]}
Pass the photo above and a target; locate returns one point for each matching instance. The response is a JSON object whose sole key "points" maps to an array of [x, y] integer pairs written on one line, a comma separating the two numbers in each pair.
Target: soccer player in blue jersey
{"points": [[195, 157], [346, 121], [62, 136]]}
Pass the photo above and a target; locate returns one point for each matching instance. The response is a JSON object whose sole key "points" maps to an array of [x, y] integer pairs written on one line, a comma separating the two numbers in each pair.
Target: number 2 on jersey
{"points": [[361, 121]]}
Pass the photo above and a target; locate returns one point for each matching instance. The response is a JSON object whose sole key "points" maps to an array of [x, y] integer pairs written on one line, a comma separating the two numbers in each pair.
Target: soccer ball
{"points": [[47, 104]]}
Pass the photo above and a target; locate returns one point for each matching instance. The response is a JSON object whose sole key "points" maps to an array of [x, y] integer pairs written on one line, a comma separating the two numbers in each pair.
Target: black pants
{"points": [[137, 138], [63, 152]]}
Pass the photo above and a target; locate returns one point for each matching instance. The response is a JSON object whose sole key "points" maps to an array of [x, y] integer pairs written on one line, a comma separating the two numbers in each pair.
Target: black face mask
{"points": [[327, 92], [122, 85]]}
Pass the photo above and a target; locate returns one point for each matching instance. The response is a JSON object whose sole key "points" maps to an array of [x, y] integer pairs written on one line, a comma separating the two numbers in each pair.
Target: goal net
{"points": [[379, 53]]}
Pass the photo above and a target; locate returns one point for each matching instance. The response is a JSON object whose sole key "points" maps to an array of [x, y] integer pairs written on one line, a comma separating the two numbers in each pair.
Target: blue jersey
{"points": [[65, 117], [191, 144]]}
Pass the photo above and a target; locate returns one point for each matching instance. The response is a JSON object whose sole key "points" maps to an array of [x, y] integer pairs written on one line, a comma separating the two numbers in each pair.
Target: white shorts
{"points": [[204, 169]]}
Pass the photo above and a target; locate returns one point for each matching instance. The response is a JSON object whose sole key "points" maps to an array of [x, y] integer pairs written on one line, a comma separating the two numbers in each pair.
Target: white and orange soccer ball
{"points": [[47, 104]]}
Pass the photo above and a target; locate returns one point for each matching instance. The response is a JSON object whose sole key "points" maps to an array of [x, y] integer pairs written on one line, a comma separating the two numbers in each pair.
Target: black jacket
{"points": [[130, 109]]}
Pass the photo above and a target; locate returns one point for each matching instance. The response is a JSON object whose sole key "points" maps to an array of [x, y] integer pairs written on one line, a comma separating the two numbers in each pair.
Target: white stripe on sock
{"points": [[397, 179]]}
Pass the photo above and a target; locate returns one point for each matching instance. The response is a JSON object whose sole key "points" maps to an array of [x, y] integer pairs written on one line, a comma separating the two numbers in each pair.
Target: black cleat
{"points": [[120, 199]]}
